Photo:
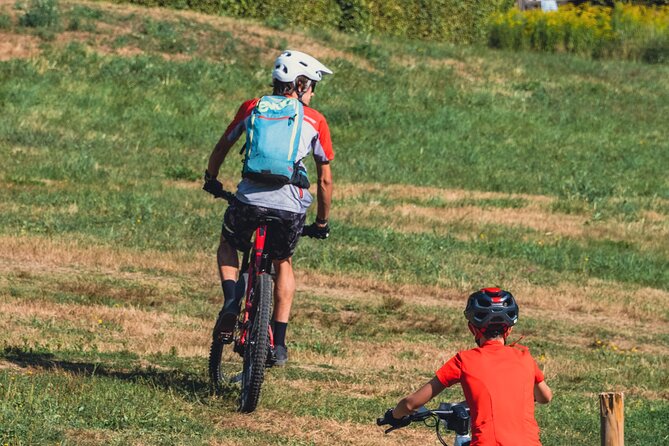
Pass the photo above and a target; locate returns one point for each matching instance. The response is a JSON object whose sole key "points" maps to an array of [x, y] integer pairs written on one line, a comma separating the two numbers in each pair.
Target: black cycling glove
{"points": [[316, 231], [395, 423], [212, 185]]}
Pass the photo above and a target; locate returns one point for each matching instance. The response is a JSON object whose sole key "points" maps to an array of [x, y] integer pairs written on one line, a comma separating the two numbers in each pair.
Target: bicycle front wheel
{"points": [[257, 344]]}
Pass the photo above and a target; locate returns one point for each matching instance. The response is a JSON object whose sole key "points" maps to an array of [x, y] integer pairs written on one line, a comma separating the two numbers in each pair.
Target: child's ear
{"points": [[507, 332]]}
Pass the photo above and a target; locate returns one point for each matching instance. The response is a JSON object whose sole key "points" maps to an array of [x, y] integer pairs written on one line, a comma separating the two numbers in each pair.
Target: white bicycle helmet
{"points": [[291, 64]]}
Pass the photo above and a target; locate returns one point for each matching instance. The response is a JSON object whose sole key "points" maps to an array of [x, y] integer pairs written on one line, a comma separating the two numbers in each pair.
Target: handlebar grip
{"points": [[379, 421], [227, 196], [307, 233]]}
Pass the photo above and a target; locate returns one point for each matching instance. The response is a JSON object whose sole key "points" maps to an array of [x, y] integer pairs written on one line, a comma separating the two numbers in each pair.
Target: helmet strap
{"points": [[301, 93], [507, 332], [478, 334]]}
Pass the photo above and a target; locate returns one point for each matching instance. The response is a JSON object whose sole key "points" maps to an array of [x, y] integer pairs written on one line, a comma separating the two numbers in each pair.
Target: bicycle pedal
{"points": [[224, 338], [271, 358]]}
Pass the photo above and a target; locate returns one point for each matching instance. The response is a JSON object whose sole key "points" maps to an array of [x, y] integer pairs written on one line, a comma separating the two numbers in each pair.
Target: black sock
{"points": [[229, 287], [279, 332]]}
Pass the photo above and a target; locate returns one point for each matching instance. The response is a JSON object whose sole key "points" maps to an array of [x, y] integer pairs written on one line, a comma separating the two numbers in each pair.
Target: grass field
{"points": [[456, 168]]}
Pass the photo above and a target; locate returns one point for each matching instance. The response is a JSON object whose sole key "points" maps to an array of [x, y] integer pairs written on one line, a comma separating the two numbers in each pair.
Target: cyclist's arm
{"points": [[542, 393], [231, 135], [218, 155], [324, 193], [419, 398]]}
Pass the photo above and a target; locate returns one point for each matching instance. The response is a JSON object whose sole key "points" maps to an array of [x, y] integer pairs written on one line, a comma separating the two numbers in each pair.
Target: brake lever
{"points": [[379, 422]]}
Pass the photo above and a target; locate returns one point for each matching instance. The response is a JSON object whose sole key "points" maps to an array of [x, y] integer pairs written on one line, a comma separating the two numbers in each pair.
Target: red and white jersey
{"points": [[314, 138]]}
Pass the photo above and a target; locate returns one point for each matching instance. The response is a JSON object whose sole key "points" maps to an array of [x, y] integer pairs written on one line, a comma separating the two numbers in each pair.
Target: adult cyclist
{"points": [[501, 382], [295, 76]]}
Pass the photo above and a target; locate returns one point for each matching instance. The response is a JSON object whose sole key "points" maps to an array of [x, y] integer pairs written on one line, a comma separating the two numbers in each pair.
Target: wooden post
{"points": [[612, 418]]}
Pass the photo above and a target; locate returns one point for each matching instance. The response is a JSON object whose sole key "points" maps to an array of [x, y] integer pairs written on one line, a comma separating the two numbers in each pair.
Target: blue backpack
{"points": [[272, 141]]}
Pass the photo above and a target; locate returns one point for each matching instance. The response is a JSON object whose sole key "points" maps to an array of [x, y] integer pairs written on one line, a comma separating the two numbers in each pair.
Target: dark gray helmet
{"points": [[491, 307]]}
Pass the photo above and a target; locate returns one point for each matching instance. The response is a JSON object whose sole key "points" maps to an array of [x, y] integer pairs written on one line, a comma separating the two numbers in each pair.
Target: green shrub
{"points": [[5, 21], [41, 14], [626, 31], [444, 20], [656, 51], [355, 16]]}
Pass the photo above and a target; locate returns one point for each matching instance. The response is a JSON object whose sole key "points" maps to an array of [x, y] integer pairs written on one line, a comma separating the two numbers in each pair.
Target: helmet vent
{"points": [[303, 64], [483, 303]]}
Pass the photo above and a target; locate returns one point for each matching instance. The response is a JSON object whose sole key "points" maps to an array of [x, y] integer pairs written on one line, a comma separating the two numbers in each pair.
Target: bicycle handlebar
{"points": [[454, 416], [226, 195]]}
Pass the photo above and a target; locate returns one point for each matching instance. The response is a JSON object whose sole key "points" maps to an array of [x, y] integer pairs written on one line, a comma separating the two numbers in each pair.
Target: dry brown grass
{"points": [[16, 46], [108, 329], [594, 302], [88, 437], [352, 190], [322, 432]]}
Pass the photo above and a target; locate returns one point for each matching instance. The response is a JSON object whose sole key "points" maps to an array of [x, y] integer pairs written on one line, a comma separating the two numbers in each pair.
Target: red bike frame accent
{"points": [[255, 269]]}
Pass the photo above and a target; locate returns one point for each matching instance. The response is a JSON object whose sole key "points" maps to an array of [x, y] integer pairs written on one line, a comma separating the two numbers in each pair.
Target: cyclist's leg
{"points": [[284, 289], [283, 242], [228, 269], [239, 223]]}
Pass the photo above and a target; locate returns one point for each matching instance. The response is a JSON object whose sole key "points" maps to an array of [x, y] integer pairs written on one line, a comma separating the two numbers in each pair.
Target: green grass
{"points": [[105, 151]]}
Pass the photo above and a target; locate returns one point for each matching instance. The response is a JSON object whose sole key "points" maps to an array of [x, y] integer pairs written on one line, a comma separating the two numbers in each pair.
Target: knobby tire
{"points": [[257, 345], [215, 373]]}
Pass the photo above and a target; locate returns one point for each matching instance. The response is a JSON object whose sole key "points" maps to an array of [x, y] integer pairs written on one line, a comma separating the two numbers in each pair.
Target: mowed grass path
{"points": [[456, 168]]}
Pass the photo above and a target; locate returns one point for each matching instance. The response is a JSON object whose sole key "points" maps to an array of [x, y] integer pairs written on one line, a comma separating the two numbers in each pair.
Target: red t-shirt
{"points": [[498, 382]]}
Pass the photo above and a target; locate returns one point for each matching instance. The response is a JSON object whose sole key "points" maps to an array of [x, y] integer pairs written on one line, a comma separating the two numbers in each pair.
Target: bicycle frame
{"points": [[258, 264], [253, 338]]}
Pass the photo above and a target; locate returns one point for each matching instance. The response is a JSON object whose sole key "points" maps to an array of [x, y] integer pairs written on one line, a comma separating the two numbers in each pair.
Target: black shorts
{"points": [[242, 219]]}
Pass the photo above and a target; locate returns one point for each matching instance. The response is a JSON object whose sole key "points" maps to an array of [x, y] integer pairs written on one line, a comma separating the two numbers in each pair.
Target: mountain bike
{"points": [[252, 335], [451, 417]]}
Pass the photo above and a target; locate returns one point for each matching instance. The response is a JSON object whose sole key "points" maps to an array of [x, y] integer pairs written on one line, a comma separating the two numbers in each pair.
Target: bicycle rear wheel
{"points": [[257, 345]]}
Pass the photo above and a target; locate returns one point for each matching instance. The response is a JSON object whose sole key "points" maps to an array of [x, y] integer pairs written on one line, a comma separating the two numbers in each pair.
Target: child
{"points": [[500, 382]]}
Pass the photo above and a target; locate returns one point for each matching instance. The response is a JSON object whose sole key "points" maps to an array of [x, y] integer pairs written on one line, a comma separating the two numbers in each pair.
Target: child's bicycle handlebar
{"points": [[452, 417]]}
